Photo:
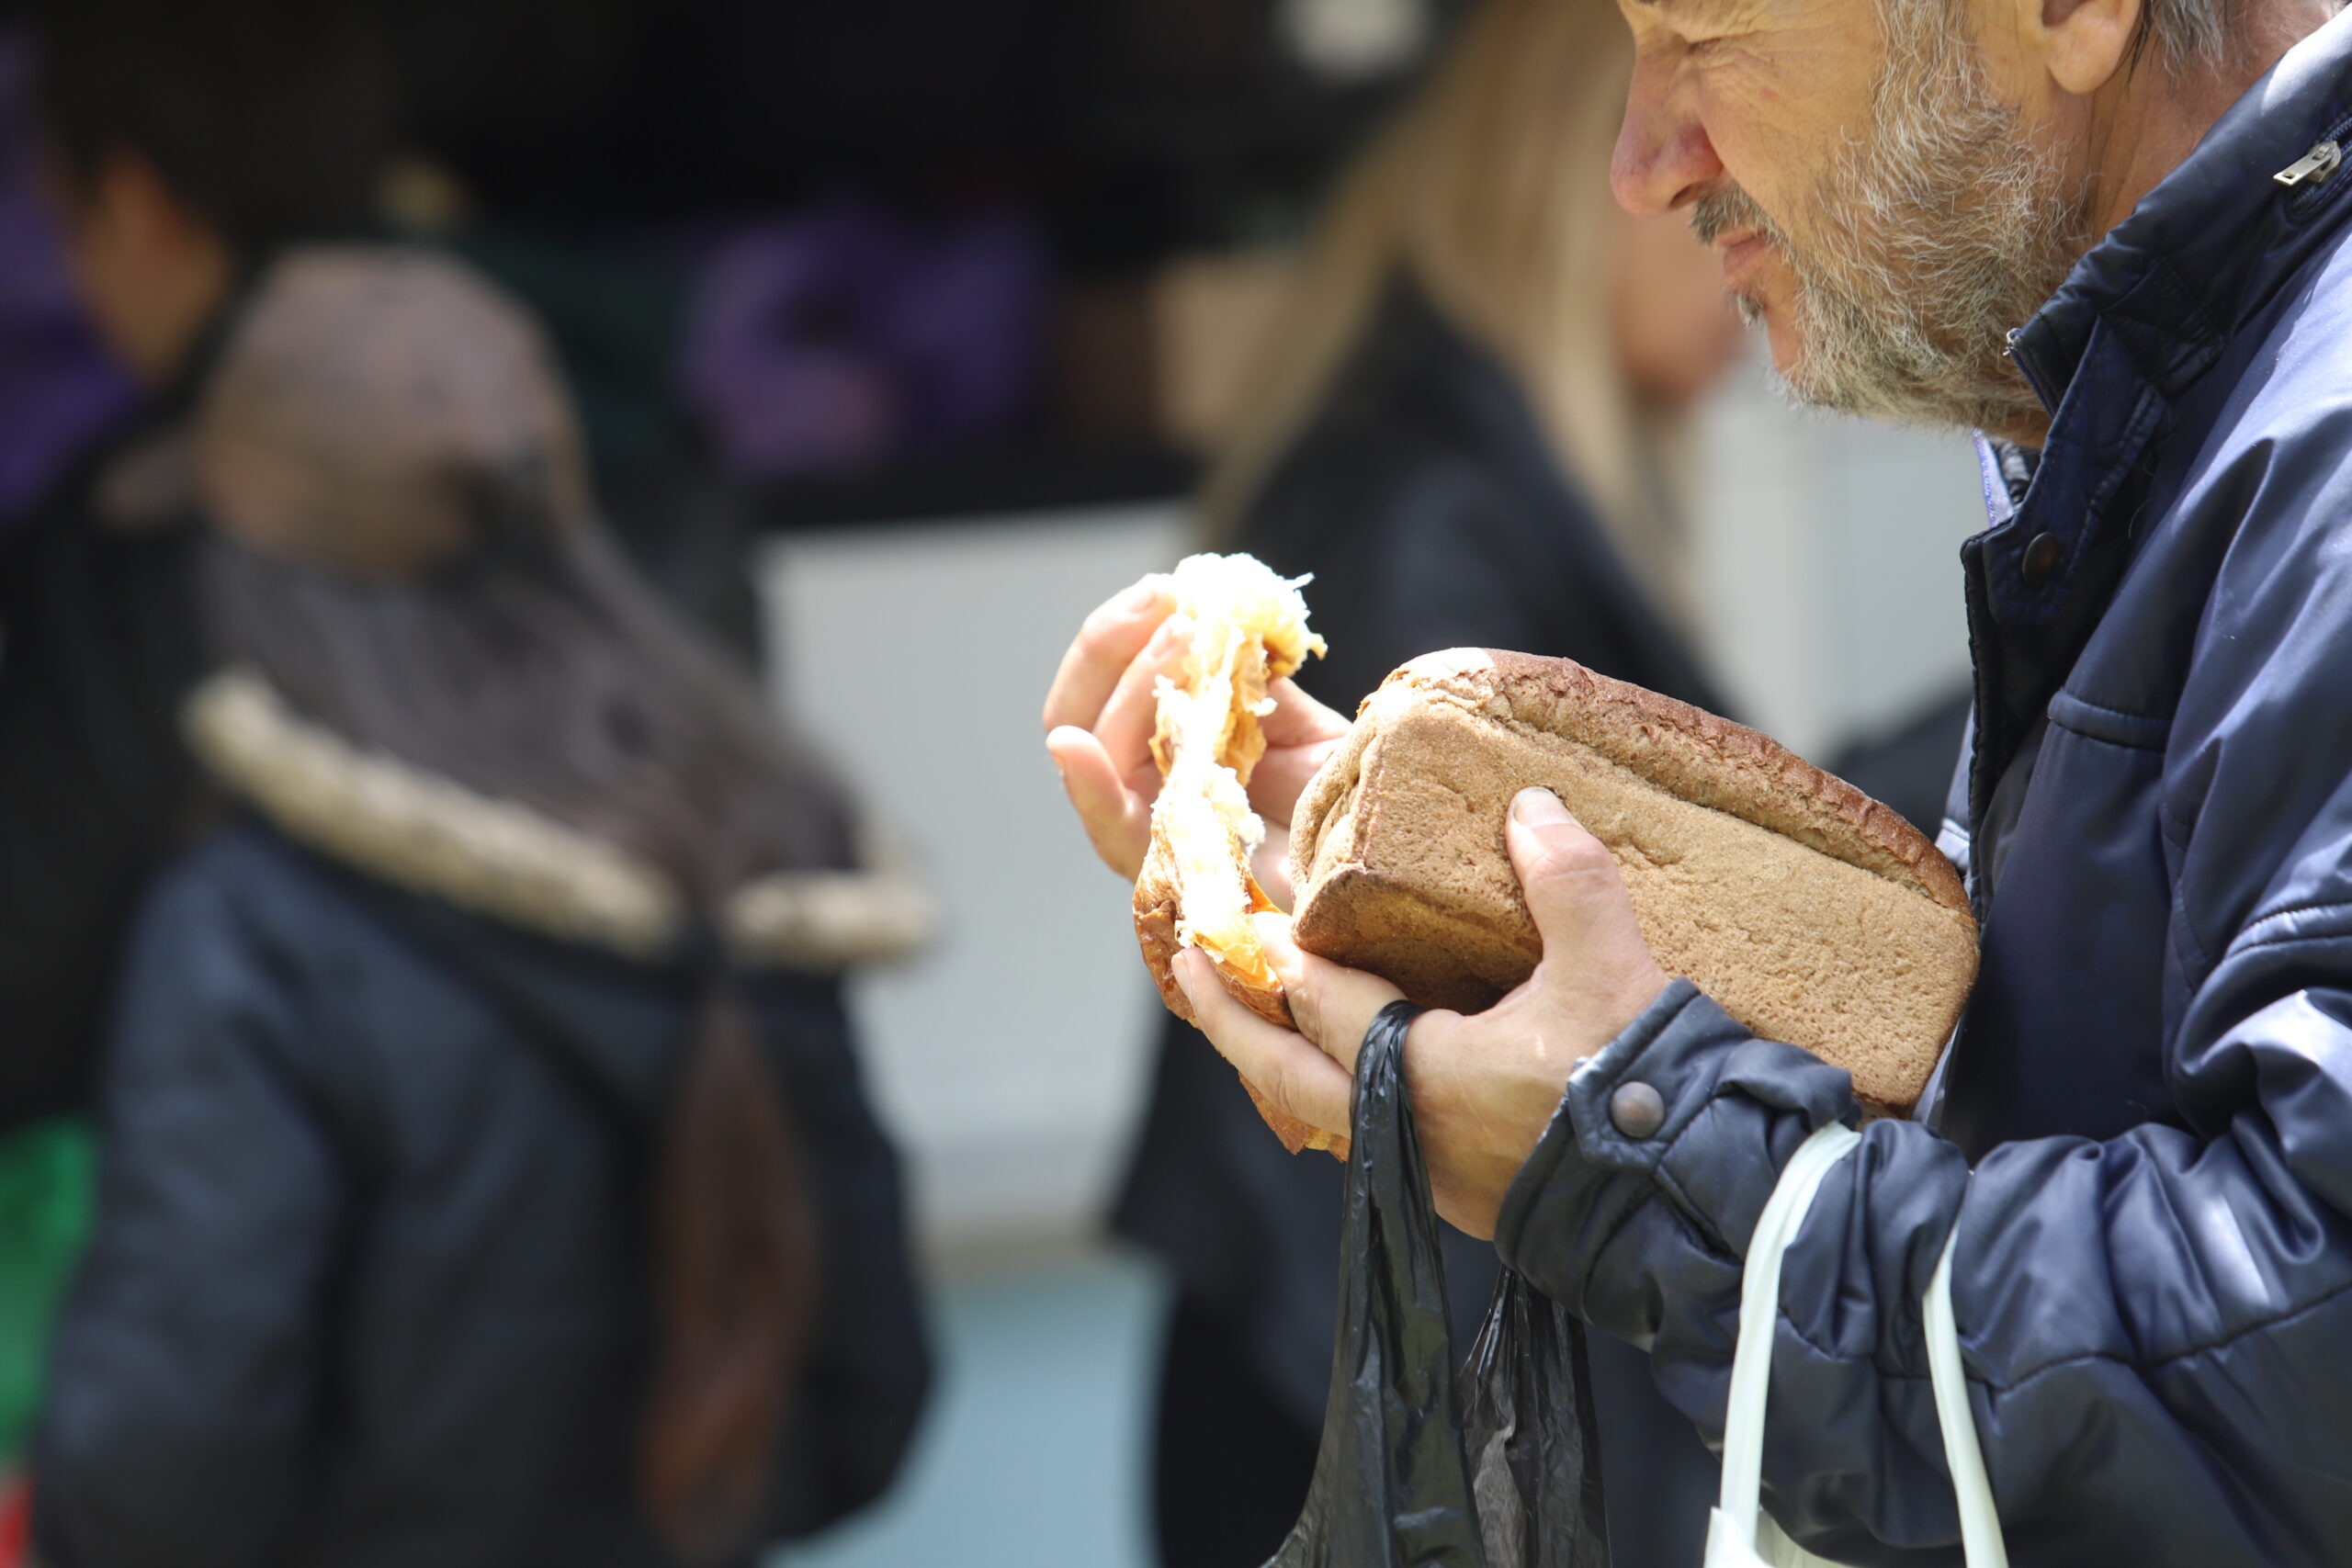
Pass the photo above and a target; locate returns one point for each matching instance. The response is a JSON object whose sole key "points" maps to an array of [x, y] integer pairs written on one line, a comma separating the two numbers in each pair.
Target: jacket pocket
{"points": [[2138, 731]]}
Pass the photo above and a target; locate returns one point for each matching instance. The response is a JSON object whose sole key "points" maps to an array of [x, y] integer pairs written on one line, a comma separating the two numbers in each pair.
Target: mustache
{"points": [[1727, 210]]}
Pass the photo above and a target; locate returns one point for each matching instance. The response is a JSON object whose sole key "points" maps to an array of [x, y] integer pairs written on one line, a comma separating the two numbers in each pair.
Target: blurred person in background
{"points": [[60, 392], [1469, 428], [487, 1175], [169, 165], [432, 1324]]}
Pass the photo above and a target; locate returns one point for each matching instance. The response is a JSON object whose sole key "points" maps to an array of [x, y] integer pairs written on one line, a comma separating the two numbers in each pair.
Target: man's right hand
{"points": [[1102, 708]]}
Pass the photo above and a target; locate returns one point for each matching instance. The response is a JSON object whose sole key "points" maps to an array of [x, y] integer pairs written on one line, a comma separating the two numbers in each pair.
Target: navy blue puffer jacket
{"points": [[2145, 1136]]}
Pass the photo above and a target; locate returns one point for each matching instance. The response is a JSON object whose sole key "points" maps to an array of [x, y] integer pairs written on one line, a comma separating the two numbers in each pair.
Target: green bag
{"points": [[48, 1201]]}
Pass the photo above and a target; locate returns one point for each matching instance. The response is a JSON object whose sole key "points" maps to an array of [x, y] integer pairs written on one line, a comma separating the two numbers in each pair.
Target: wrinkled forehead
{"points": [[1803, 47], [1847, 23], [1696, 10]]}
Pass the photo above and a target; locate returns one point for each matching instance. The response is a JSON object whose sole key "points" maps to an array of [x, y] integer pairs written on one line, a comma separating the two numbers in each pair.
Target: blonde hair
{"points": [[1491, 193]]}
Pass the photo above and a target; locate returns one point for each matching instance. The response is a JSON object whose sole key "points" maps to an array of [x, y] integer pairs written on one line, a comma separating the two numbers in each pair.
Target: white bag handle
{"points": [[1739, 1534], [1980, 1522]]}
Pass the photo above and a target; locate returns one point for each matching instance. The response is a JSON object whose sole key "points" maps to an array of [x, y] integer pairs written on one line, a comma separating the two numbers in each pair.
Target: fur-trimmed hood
{"points": [[426, 834]]}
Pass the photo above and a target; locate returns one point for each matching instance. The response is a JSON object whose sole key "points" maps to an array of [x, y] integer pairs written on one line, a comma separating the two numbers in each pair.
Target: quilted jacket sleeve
{"points": [[2157, 1328]]}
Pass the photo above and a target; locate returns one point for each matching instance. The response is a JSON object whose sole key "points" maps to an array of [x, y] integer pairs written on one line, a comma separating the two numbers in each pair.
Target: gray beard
{"points": [[1927, 242]]}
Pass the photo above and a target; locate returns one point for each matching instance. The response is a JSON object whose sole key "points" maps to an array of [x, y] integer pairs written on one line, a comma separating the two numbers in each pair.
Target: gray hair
{"points": [[2185, 34]]}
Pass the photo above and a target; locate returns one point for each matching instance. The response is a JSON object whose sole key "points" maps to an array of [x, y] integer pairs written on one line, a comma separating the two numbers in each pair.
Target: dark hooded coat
{"points": [[395, 1048], [371, 1282]]}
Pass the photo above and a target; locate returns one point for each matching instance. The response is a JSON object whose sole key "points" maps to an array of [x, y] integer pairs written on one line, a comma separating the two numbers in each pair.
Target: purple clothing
{"points": [[58, 387], [846, 335]]}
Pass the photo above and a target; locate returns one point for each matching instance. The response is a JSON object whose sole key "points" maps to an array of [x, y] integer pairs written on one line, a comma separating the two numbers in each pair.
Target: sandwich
{"points": [[1246, 627]]}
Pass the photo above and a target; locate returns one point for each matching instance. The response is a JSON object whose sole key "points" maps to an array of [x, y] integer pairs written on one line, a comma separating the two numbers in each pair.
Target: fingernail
{"points": [[1539, 808]]}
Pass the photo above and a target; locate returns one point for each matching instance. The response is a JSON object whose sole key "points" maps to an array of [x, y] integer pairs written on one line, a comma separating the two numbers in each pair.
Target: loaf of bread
{"points": [[1813, 914]]}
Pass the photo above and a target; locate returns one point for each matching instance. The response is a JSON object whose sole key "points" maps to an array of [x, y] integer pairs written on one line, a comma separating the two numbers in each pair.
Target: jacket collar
{"points": [[2214, 239], [429, 835], [2146, 312]]}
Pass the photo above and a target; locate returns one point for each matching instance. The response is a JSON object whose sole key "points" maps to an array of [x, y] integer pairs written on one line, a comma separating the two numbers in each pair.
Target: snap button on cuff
{"points": [[1637, 1109]]}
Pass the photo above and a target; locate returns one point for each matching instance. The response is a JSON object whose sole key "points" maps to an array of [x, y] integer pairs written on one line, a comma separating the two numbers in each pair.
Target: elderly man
{"points": [[2113, 236]]}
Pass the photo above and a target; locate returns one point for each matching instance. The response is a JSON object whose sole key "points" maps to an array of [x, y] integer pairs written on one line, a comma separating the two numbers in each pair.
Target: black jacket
{"points": [[97, 647], [370, 1283], [1429, 505], [2143, 1159]]}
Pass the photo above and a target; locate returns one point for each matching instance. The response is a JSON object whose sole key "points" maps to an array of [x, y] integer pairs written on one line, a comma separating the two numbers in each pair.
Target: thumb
{"points": [[1571, 881]]}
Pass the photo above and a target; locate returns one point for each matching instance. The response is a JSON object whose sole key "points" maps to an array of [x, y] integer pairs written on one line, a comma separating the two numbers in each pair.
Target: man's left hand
{"points": [[1483, 1086]]}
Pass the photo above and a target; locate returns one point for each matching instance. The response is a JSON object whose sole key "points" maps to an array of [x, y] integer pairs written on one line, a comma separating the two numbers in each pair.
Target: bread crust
{"points": [[1685, 750], [1157, 908], [1398, 853]]}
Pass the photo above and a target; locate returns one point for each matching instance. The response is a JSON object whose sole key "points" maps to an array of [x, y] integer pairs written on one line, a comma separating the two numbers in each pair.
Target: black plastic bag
{"points": [[1492, 1466]]}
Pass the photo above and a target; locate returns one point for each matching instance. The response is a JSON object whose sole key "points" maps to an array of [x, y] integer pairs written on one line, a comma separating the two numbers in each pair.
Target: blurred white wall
{"points": [[1008, 1058], [1011, 1059]]}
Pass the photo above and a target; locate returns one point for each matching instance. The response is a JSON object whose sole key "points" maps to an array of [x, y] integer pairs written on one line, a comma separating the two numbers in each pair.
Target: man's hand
{"points": [[1102, 708], [1484, 1087]]}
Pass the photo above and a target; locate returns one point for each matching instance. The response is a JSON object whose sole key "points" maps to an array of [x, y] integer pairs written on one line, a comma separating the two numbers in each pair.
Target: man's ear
{"points": [[2083, 42]]}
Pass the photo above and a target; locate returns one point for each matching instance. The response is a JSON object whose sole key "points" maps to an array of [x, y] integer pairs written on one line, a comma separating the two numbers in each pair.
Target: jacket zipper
{"points": [[2313, 166]]}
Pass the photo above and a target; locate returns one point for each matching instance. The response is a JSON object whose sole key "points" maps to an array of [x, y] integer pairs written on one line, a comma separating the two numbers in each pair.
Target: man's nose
{"points": [[1664, 157]]}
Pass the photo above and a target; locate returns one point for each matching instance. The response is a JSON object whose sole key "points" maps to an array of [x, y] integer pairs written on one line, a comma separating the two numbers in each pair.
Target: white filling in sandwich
{"points": [[1248, 629]]}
